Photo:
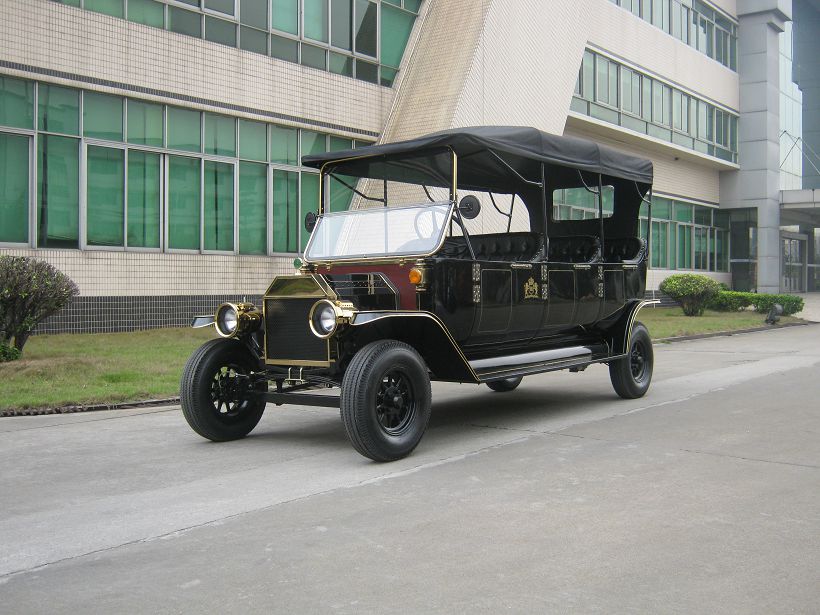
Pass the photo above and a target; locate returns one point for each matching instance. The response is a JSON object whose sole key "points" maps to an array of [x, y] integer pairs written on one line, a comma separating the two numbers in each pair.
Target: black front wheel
{"points": [[632, 374], [386, 400], [217, 392]]}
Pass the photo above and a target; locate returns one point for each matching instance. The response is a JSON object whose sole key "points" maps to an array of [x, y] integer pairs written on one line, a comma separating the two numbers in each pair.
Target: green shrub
{"points": [[733, 301], [30, 291], [691, 290], [763, 302], [8, 353], [729, 301]]}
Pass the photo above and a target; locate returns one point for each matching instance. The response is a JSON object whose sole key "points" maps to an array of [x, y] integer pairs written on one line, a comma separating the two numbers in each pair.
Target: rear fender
{"points": [[424, 332], [620, 331]]}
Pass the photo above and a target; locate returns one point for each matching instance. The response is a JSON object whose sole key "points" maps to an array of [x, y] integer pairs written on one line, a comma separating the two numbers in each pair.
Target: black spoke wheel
{"points": [[385, 400], [218, 392], [503, 386], [632, 374]]}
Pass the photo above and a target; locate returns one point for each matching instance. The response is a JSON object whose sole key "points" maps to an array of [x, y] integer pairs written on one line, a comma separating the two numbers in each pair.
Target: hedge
{"points": [[733, 301]]}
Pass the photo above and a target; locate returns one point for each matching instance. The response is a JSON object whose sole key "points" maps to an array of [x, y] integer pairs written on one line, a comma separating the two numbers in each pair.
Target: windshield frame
{"points": [[382, 256]]}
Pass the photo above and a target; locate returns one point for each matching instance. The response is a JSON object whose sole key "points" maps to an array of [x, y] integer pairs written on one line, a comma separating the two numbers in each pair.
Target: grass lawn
{"points": [[61, 370], [671, 322], [83, 369]]}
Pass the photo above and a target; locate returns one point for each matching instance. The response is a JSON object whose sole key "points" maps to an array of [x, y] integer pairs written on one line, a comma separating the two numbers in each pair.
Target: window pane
{"points": [[340, 195], [59, 109], [144, 123], [220, 135], [58, 192], [184, 22], [220, 31], [387, 76], [223, 6], [285, 211], [109, 7], [283, 145], [183, 202], [218, 206], [365, 71], [284, 48], [366, 27], [16, 103], [396, 28], [254, 13], [316, 20], [310, 199], [285, 15], [105, 196], [143, 199], [588, 68], [313, 143], [13, 188], [412, 5], [183, 129], [148, 12], [253, 40], [341, 20], [341, 64], [253, 191], [315, 57], [252, 141], [102, 116], [337, 143]]}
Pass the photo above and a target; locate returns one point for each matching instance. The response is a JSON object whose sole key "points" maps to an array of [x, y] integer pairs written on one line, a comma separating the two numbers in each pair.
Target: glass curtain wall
{"points": [[208, 182], [614, 93], [364, 39], [695, 23]]}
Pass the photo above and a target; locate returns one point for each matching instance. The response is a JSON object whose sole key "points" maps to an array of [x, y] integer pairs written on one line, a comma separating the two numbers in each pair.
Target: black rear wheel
{"points": [[218, 393], [632, 374], [385, 400]]}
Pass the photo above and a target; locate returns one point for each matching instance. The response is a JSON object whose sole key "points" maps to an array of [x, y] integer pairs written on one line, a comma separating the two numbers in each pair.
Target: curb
{"points": [[702, 336], [148, 403], [169, 401]]}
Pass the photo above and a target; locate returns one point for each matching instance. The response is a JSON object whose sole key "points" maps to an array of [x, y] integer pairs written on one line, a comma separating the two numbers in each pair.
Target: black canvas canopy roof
{"points": [[478, 149]]}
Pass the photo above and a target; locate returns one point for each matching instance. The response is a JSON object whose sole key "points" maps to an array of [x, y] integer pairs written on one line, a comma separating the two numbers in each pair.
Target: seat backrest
{"points": [[574, 249]]}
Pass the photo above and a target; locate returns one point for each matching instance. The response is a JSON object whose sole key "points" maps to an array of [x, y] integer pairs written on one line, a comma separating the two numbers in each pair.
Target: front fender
{"points": [[424, 332]]}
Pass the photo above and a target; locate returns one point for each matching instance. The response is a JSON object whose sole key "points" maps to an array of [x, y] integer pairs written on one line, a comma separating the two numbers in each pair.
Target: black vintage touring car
{"points": [[453, 263]]}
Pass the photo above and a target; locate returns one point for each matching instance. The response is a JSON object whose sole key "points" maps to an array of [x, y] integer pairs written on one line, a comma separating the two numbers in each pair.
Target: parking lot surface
{"points": [[704, 496]]}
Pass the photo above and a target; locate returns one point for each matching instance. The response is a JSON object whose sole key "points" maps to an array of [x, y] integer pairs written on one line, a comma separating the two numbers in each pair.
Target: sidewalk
{"points": [[811, 307]]}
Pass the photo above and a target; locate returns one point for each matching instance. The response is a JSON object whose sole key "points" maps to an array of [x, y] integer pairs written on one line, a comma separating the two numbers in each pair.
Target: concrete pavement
{"points": [[701, 497]]}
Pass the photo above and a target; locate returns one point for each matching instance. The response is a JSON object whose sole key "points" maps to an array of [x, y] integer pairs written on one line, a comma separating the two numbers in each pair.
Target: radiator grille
{"points": [[288, 338]]}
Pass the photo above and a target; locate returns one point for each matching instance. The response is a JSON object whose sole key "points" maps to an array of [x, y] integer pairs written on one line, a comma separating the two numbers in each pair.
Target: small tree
{"points": [[692, 291], [30, 291]]}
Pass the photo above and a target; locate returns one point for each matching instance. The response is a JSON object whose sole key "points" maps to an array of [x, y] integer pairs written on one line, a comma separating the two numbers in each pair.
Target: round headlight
{"points": [[227, 319], [323, 319]]}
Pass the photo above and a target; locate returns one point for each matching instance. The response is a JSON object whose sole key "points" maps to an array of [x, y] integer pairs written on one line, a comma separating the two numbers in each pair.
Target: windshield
{"points": [[382, 231]]}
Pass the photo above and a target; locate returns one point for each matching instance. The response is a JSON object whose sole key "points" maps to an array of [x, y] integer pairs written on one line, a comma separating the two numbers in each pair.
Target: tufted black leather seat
{"points": [[623, 249], [574, 249], [511, 247]]}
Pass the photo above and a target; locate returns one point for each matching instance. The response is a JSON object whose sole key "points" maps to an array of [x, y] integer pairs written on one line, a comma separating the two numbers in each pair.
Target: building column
{"points": [[757, 184], [807, 77]]}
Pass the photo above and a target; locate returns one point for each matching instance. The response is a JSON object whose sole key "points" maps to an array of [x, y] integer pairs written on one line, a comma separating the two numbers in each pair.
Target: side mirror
{"points": [[469, 207], [310, 221]]}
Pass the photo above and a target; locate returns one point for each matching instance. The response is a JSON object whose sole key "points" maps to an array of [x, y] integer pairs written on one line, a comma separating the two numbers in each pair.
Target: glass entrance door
{"points": [[792, 267]]}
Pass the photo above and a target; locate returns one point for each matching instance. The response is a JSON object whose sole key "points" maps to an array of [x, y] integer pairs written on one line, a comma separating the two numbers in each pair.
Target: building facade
{"points": [[150, 148]]}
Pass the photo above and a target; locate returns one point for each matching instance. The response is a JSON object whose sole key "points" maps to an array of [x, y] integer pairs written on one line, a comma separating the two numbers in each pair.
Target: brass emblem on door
{"points": [[530, 289]]}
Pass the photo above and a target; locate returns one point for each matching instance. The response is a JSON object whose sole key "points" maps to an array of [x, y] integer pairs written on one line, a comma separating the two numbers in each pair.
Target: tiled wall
{"points": [[114, 314]]}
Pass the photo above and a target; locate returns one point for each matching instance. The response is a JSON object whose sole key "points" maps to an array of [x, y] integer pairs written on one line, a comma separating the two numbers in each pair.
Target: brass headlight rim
{"points": [[235, 331], [336, 311]]}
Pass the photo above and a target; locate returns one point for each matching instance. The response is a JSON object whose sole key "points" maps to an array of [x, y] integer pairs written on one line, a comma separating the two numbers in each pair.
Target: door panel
{"points": [[496, 300]]}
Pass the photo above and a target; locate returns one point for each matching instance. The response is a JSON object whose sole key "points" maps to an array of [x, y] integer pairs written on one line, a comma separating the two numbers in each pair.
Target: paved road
{"points": [[702, 497]]}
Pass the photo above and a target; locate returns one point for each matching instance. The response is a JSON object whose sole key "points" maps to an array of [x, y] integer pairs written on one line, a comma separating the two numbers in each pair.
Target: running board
{"points": [[539, 361]]}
